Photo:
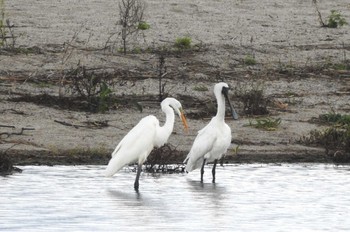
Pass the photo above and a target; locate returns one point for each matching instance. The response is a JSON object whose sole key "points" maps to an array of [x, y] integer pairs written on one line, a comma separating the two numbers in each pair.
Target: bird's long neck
{"points": [[221, 106], [167, 128]]}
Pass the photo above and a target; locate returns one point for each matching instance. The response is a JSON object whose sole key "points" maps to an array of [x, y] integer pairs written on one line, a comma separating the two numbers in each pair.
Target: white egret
{"points": [[214, 139], [139, 142]]}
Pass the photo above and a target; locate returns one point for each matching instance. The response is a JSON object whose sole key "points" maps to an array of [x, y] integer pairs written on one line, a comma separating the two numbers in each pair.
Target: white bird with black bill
{"points": [[214, 139]]}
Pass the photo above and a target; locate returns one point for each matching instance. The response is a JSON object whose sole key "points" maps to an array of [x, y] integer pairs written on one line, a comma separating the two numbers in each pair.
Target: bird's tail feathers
{"points": [[193, 164], [114, 166]]}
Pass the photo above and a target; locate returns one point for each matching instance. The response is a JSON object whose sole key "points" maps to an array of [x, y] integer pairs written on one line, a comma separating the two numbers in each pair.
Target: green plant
{"points": [[143, 26], [91, 86], [105, 93], [200, 88], [335, 139], [268, 124], [137, 50], [335, 19], [249, 60], [183, 42], [335, 119], [339, 66]]}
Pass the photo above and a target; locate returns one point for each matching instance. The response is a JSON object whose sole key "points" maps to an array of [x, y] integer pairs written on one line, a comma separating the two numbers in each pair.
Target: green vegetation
{"points": [[91, 86], [200, 88], [143, 26], [335, 139], [183, 42], [340, 66], [335, 19], [104, 96], [249, 60], [335, 119], [268, 124]]}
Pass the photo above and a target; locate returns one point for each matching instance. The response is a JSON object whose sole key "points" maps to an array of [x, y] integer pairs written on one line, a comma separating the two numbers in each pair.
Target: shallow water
{"points": [[256, 197]]}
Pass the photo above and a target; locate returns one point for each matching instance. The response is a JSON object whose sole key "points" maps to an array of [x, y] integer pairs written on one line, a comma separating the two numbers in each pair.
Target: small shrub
{"points": [[340, 66], [335, 20], [200, 88], [254, 101], [335, 139], [104, 96], [335, 119], [94, 87], [137, 50], [331, 138], [143, 26], [183, 43], [249, 60]]}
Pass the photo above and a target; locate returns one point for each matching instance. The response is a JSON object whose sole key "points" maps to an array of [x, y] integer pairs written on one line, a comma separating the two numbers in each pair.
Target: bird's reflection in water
{"points": [[211, 194], [127, 196]]}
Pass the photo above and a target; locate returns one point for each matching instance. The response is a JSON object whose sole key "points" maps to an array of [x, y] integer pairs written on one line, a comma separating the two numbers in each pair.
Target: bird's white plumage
{"points": [[135, 146], [139, 142], [210, 144], [214, 139]]}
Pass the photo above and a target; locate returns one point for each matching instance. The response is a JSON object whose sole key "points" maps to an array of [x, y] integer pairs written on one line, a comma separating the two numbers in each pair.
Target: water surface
{"points": [[256, 197]]}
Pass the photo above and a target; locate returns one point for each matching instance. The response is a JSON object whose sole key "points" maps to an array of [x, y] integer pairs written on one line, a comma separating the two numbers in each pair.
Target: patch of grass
{"points": [[341, 66], [335, 139], [268, 124], [137, 50], [43, 84], [249, 60], [143, 26], [332, 139], [200, 88], [335, 19], [335, 119], [183, 42]]}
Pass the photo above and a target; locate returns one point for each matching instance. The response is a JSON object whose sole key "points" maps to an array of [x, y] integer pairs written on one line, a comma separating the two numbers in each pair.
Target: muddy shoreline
{"points": [[296, 65]]}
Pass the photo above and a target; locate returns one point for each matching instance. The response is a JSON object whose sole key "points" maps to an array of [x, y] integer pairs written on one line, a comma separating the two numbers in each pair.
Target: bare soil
{"points": [[297, 59]]}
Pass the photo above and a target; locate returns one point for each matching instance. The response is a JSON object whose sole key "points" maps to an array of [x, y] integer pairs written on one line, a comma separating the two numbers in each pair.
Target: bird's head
{"points": [[222, 88], [176, 105]]}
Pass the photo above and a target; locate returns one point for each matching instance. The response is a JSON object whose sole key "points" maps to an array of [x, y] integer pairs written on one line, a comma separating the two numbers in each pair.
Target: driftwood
{"points": [[67, 124], [92, 124], [8, 134]]}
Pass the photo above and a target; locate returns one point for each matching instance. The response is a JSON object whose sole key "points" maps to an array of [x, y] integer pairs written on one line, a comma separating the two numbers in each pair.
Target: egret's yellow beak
{"points": [[183, 118]]}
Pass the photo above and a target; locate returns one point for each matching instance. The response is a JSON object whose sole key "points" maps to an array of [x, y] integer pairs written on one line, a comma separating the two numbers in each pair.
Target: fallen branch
{"points": [[15, 133], [67, 124], [7, 126]]}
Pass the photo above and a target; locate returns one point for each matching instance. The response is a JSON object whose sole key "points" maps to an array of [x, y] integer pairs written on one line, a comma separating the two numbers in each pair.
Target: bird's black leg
{"points": [[202, 170], [213, 171], [136, 184]]}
